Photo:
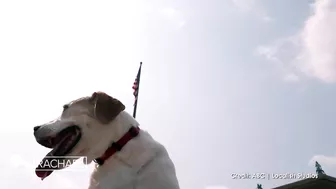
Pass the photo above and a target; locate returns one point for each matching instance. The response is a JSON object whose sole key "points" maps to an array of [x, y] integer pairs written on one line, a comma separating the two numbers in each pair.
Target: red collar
{"points": [[117, 146]]}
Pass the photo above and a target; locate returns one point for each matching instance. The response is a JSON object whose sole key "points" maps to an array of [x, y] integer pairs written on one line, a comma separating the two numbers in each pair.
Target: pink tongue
{"points": [[42, 174]]}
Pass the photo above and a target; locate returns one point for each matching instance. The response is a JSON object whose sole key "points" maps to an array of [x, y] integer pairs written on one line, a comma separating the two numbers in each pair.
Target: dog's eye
{"points": [[65, 107]]}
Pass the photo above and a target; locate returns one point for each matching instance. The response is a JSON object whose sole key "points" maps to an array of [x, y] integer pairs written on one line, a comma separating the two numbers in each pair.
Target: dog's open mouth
{"points": [[61, 145]]}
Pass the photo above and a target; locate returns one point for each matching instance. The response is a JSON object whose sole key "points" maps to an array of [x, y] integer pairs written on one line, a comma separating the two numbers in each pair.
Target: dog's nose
{"points": [[36, 128]]}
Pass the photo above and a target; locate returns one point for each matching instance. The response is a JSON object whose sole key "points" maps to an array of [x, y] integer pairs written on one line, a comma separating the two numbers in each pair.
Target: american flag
{"points": [[136, 85]]}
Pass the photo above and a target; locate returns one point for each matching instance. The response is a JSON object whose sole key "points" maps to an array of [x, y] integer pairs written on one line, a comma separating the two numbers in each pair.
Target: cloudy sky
{"points": [[228, 86]]}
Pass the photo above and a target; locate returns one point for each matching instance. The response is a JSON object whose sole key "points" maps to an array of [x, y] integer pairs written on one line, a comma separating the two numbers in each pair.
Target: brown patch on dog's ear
{"points": [[106, 108]]}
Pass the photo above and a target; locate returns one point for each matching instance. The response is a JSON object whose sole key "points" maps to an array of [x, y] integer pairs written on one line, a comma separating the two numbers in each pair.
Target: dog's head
{"points": [[81, 130]]}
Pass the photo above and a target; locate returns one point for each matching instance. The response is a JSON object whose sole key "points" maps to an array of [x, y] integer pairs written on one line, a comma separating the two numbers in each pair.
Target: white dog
{"points": [[98, 127]]}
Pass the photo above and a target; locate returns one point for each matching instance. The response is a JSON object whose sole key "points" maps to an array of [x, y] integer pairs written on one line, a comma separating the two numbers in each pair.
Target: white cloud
{"points": [[312, 51], [280, 53], [216, 187], [329, 161], [173, 15], [164, 13], [253, 7], [291, 77]]}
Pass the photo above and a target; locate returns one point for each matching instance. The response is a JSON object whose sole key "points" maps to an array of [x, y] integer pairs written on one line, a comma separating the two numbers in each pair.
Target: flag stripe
{"points": [[135, 86]]}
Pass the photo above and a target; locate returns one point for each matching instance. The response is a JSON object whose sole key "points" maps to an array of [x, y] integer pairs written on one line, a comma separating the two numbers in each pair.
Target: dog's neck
{"points": [[134, 155], [118, 128], [121, 124]]}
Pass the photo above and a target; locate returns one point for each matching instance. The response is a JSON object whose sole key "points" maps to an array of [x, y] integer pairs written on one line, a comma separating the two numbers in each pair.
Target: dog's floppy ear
{"points": [[106, 108]]}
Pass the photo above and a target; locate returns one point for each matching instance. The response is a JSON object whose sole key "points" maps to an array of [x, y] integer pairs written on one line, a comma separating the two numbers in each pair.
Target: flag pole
{"points": [[137, 91]]}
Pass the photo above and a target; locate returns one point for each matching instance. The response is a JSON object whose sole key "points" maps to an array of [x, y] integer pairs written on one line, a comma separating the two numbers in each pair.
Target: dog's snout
{"points": [[36, 128]]}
